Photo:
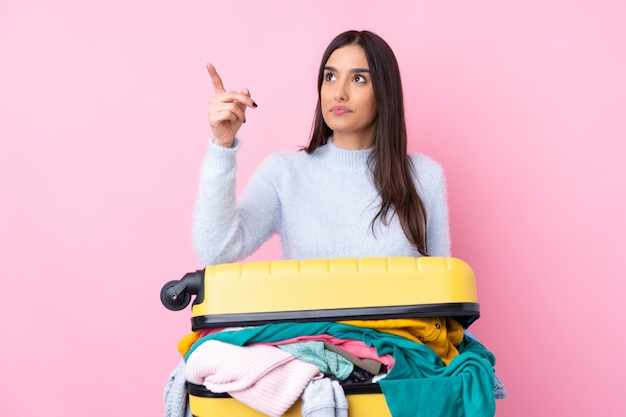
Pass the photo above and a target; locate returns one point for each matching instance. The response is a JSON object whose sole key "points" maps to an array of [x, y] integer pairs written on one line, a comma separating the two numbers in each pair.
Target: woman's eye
{"points": [[360, 79], [330, 77]]}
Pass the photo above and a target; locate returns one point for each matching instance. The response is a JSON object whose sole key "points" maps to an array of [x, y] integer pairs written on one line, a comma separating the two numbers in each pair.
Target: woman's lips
{"points": [[340, 110]]}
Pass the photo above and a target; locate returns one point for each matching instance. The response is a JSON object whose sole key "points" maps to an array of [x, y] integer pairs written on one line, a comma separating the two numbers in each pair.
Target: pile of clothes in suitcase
{"points": [[423, 366]]}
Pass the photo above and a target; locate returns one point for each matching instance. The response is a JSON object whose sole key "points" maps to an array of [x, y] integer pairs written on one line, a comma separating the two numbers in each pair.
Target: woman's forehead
{"points": [[348, 57]]}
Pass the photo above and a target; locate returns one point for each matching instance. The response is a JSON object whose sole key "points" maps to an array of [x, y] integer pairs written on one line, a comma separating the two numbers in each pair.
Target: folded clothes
{"points": [[417, 368], [265, 378]]}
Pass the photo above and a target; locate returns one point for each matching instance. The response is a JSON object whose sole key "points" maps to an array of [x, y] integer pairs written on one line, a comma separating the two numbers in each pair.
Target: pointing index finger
{"points": [[216, 79]]}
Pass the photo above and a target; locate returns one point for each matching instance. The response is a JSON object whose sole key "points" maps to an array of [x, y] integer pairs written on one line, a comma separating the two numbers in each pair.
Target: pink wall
{"points": [[103, 127]]}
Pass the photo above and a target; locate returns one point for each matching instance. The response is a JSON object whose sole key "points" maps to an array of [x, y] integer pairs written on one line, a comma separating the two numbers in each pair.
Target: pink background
{"points": [[103, 128]]}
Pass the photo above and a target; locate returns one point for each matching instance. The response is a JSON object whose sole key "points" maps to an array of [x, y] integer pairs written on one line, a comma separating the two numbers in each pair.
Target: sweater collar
{"points": [[344, 159]]}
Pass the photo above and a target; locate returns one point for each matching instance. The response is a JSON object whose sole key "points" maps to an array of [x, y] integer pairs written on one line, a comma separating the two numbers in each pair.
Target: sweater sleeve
{"points": [[223, 229]]}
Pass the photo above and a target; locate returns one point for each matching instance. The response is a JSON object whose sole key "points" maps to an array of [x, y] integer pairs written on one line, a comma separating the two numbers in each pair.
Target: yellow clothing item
{"points": [[441, 334], [187, 342]]}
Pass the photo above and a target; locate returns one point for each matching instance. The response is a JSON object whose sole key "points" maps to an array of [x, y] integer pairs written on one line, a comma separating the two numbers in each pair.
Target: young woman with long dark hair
{"points": [[352, 192]]}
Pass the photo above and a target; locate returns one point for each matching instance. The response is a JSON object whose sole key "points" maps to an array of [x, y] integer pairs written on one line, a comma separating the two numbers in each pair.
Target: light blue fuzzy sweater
{"points": [[321, 205]]}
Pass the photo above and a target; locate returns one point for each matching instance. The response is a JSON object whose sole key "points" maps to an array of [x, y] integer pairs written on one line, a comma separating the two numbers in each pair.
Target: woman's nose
{"points": [[341, 93]]}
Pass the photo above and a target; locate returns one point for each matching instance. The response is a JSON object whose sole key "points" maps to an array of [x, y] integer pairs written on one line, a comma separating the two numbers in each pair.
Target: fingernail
{"points": [[254, 105]]}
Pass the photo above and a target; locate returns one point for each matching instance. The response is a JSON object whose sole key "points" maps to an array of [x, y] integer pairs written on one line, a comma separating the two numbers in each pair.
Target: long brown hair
{"points": [[389, 162]]}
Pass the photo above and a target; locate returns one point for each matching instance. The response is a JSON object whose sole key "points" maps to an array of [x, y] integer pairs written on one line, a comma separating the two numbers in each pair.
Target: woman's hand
{"points": [[227, 110]]}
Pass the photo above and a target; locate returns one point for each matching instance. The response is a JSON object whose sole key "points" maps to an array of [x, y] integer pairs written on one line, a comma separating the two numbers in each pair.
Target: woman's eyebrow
{"points": [[353, 70]]}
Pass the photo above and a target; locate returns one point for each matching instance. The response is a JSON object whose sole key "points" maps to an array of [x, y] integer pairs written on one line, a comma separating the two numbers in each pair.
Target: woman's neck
{"points": [[353, 141]]}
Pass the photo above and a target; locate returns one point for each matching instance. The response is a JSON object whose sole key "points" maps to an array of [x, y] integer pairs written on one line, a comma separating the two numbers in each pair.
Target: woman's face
{"points": [[347, 98]]}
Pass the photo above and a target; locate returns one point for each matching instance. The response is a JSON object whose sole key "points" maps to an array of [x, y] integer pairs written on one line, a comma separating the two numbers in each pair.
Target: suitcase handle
{"points": [[176, 295]]}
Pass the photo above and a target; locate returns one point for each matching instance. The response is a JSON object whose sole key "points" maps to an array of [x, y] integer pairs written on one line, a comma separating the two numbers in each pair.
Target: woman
{"points": [[352, 192]]}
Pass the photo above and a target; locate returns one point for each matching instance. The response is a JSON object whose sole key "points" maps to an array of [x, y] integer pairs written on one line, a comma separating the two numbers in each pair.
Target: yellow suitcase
{"points": [[257, 293]]}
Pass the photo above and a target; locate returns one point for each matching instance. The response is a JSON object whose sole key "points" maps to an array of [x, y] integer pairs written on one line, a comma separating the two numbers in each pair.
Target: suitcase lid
{"points": [[254, 293]]}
